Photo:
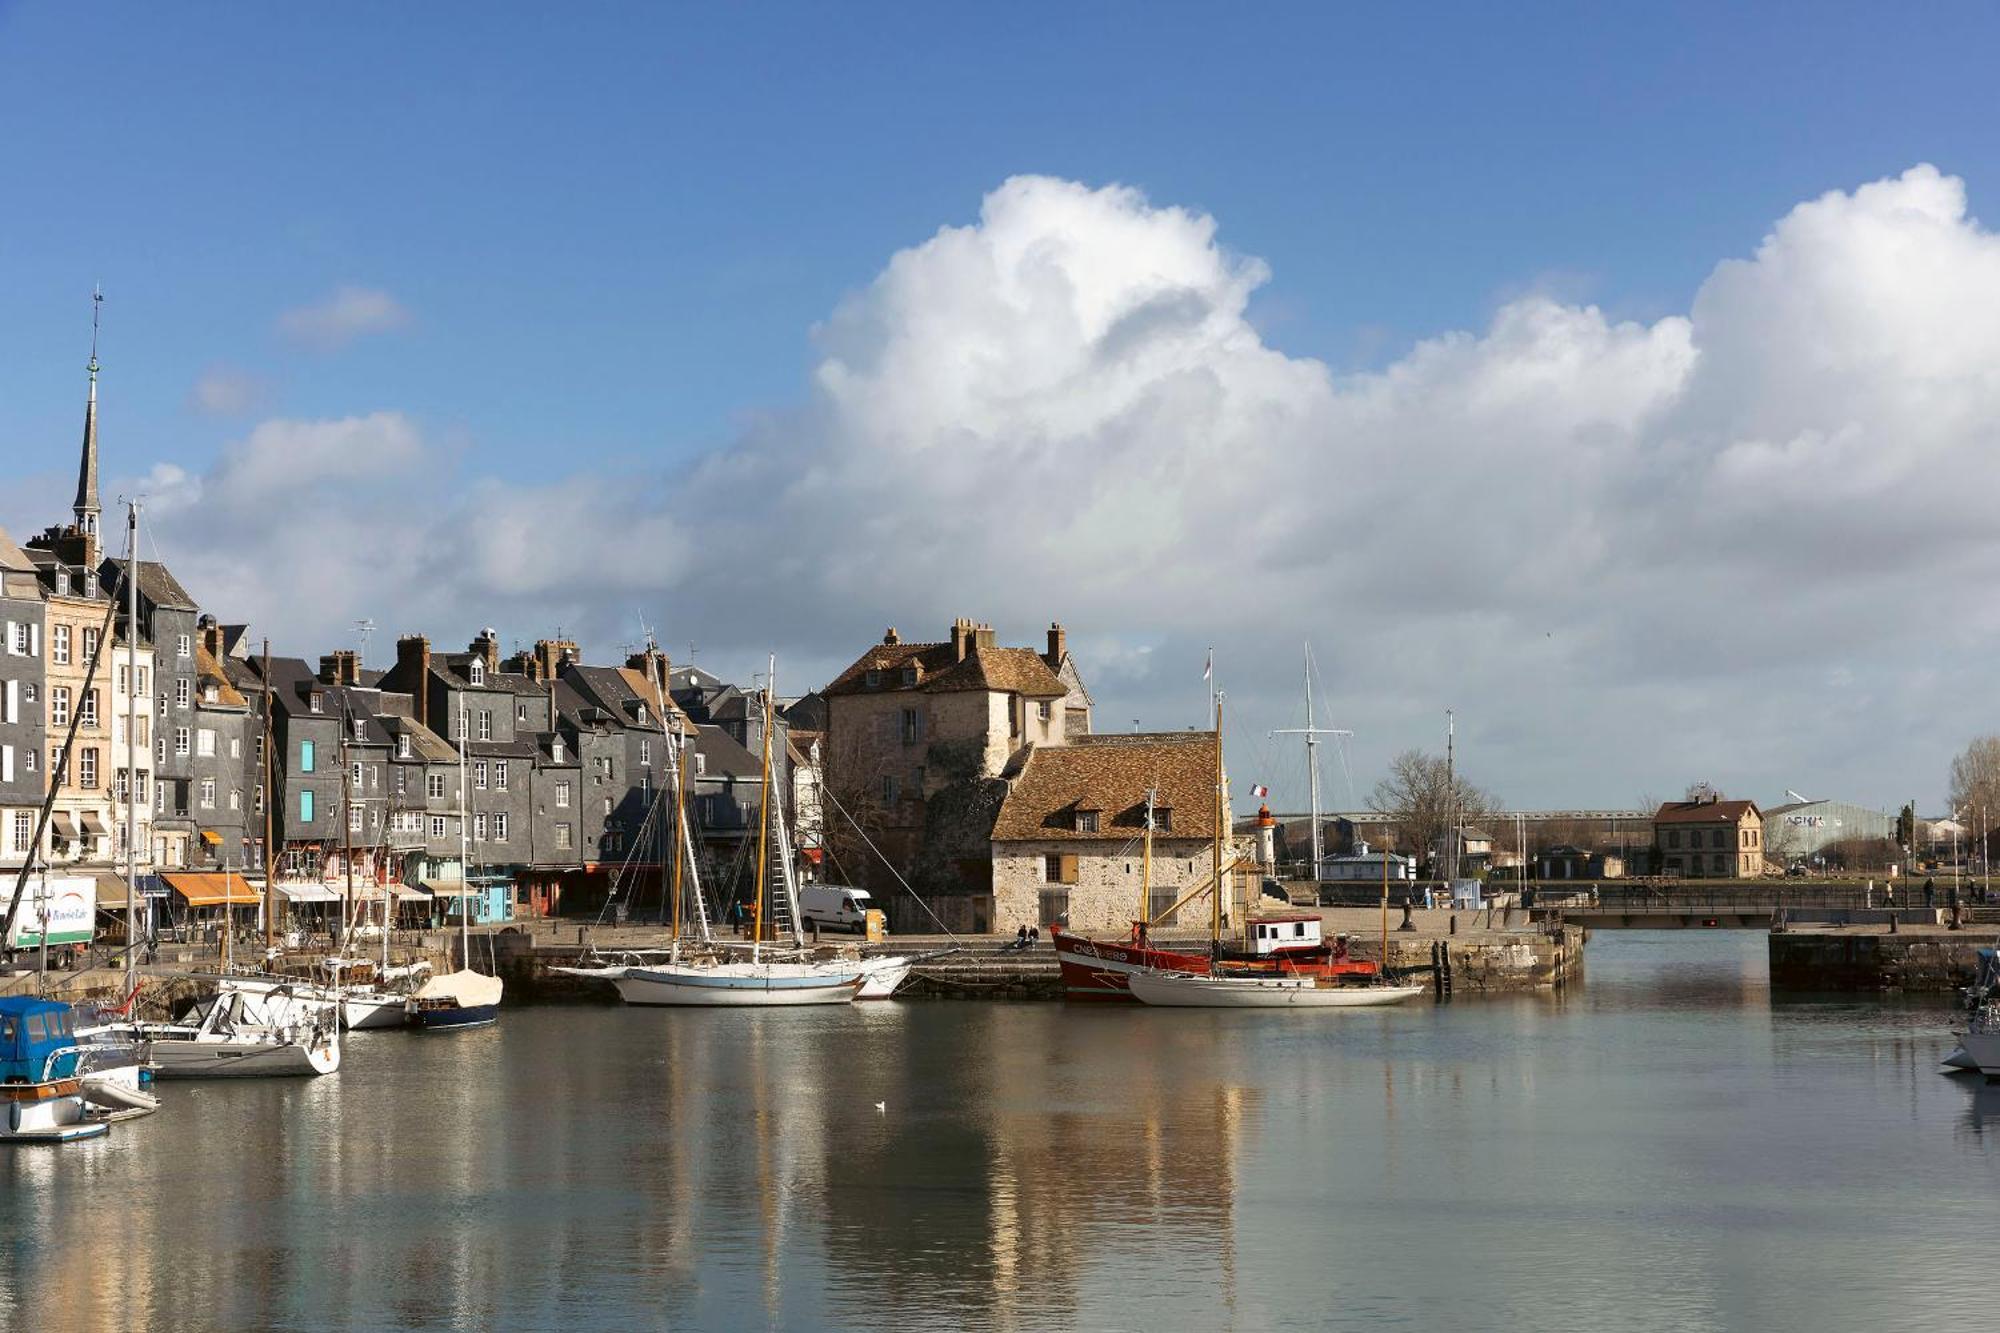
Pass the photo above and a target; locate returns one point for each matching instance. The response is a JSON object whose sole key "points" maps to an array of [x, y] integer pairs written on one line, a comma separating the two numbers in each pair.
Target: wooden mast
{"points": [[763, 826], [1215, 905], [264, 797], [1145, 917]]}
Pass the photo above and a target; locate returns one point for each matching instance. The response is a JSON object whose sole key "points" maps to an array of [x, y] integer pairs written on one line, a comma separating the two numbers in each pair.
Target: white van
{"points": [[833, 907]]}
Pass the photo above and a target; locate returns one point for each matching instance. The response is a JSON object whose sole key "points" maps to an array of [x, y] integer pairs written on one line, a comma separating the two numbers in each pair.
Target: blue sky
{"points": [[602, 240], [614, 227]]}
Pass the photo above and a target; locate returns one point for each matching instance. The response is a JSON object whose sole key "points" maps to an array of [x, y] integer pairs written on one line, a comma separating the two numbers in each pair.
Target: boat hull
{"points": [[744, 986], [1102, 970], [1191, 991], [881, 976], [373, 1010], [453, 1018], [47, 1113], [1983, 1050], [203, 1057]]}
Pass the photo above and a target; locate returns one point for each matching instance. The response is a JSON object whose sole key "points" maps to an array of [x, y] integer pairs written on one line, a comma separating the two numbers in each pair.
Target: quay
{"points": [[1916, 958]]}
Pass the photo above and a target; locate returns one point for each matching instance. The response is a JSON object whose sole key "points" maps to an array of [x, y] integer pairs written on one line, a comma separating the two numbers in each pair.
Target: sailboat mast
{"points": [[1312, 767], [763, 819], [346, 831], [131, 752], [1146, 866], [464, 853], [264, 799], [1215, 897], [680, 819]]}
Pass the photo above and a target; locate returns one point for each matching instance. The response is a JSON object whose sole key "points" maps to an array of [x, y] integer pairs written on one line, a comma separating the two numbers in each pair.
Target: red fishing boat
{"points": [[1289, 944]]}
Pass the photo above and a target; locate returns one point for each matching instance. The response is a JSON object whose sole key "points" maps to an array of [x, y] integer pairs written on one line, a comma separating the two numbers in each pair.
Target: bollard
{"points": [[1892, 924], [1454, 923], [1407, 923]]}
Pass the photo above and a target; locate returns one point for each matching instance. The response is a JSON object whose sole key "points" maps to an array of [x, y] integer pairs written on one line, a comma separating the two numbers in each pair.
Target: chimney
{"points": [[211, 639], [652, 663], [982, 636], [961, 639], [413, 671], [523, 664], [552, 654], [1058, 646], [342, 667], [487, 648], [890, 636]]}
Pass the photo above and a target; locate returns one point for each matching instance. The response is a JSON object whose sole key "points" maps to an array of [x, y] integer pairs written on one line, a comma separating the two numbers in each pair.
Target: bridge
{"points": [[1692, 905]]}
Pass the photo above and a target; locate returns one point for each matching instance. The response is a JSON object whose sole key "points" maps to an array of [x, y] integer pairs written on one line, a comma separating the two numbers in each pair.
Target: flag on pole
{"points": [[1208, 672], [1260, 791]]}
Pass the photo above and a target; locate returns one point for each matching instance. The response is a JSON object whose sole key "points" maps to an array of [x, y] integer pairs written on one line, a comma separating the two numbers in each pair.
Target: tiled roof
{"points": [[211, 672], [722, 757], [1015, 670], [156, 584], [1704, 812], [1110, 773], [13, 557]]}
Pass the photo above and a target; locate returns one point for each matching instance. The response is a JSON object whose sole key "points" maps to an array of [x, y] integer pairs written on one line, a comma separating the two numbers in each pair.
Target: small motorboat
{"points": [[1200, 990], [41, 1090], [457, 1000]]}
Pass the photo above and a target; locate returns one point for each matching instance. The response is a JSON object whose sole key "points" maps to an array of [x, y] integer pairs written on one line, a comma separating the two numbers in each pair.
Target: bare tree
{"points": [[1975, 782], [1423, 799]]}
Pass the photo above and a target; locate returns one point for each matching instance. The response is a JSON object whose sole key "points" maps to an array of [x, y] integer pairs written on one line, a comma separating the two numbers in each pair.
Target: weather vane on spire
{"points": [[96, 305]]}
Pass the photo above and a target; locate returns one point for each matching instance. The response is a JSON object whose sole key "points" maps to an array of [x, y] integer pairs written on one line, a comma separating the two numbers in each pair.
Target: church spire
{"points": [[86, 475]]}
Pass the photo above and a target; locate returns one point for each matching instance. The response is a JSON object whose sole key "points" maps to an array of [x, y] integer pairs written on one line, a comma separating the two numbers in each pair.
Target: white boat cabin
{"points": [[1284, 934]]}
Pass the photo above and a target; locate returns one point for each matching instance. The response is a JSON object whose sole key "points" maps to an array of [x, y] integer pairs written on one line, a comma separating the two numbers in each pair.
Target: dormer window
{"points": [[316, 702], [642, 712], [1163, 818], [402, 747], [477, 673], [556, 750], [90, 583], [62, 582], [1086, 821], [909, 675], [360, 729], [874, 679]]}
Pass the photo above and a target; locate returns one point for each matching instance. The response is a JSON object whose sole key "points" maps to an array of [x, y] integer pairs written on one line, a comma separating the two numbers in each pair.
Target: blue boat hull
{"points": [[454, 1017]]}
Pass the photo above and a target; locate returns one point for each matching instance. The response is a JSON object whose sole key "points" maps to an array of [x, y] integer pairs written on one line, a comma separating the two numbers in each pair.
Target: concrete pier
{"points": [[1920, 958]]}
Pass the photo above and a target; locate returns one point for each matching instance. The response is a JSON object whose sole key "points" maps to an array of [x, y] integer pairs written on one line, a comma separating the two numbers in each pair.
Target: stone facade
{"points": [[23, 724], [1102, 890], [1709, 839]]}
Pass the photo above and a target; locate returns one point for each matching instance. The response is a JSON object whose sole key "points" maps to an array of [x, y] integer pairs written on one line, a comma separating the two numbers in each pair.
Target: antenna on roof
{"points": [[1802, 800], [364, 627]]}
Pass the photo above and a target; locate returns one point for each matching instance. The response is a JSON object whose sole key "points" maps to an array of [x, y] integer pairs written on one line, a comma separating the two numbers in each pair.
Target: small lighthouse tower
{"points": [[1267, 840]]}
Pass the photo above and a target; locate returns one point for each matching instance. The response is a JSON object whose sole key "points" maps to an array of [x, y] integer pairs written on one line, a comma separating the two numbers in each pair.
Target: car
{"points": [[835, 907]]}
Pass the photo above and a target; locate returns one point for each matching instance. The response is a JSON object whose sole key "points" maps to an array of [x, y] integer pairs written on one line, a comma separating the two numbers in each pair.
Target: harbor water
{"points": [[1663, 1146]]}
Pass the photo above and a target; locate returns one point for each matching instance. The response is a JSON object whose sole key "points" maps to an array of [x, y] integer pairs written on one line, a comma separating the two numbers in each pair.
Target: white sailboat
{"points": [[465, 998], [758, 982], [235, 1034]]}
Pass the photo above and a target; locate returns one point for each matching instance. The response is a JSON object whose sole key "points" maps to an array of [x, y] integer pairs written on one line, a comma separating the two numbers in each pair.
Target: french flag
{"points": [[1260, 791]]}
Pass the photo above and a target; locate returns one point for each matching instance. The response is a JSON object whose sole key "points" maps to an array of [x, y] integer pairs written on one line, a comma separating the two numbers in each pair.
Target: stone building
{"points": [[23, 727], [223, 733], [1069, 841], [1709, 839], [167, 621], [918, 735]]}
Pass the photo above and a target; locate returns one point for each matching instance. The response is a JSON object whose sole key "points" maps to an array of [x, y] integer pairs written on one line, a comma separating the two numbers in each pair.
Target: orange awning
{"points": [[211, 890], [211, 837]]}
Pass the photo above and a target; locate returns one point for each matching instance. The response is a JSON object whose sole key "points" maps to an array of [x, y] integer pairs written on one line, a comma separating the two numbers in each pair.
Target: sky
{"points": [[1623, 381]]}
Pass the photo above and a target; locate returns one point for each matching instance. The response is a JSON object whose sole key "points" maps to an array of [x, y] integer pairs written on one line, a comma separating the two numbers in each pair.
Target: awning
{"points": [[211, 890], [93, 827], [211, 837], [110, 891], [449, 890], [65, 829], [308, 893]]}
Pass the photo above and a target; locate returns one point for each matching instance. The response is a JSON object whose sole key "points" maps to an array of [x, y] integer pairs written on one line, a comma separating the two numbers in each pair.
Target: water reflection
{"points": [[1672, 1149]]}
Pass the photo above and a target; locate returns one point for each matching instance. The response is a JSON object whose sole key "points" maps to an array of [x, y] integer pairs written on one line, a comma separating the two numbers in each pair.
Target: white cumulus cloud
{"points": [[1745, 543]]}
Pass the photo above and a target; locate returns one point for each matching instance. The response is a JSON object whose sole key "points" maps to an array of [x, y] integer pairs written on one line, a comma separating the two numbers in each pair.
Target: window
{"points": [[121, 785], [477, 673], [874, 679], [639, 712], [556, 750], [257, 801], [204, 742], [86, 768], [888, 789], [909, 675], [604, 764], [306, 756], [180, 740], [479, 828], [62, 583], [1086, 821], [1673, 837], [356, 777], [235, 747], [208, 793], [1716, 863], [1053, 905], [209, 694], [59, 645], [1716, 839], [315, 701], [434, 786], [58, 771], [17, 638], [437, 826], [500, 826], [1163, 819], [1059, 868], [520, 712], [124, 681], [87, 708], [183, 647], [913, 726], [28, 759], [402, 747], [500, 774], [646, 753], [1042, 710], [562, 795], [402, 781], [354, 819], [360, 728], [485, 724], [235, 798], [564, 835], [607, 807], [700, 764], [28, 691], [89, 643], [479, 774], [24, 830], [59, 705], [142, 681], [306, 806]]}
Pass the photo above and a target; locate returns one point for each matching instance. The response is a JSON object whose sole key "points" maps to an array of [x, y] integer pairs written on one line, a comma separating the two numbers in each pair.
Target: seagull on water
{"points": [[882, 1106]]}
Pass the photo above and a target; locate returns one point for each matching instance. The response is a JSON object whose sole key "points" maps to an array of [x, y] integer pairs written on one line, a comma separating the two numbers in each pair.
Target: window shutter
{"points": [[1069, 868]]}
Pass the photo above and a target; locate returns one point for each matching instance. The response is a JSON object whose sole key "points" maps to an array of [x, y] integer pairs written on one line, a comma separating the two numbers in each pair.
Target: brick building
{"points": [[1709, 839]]}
